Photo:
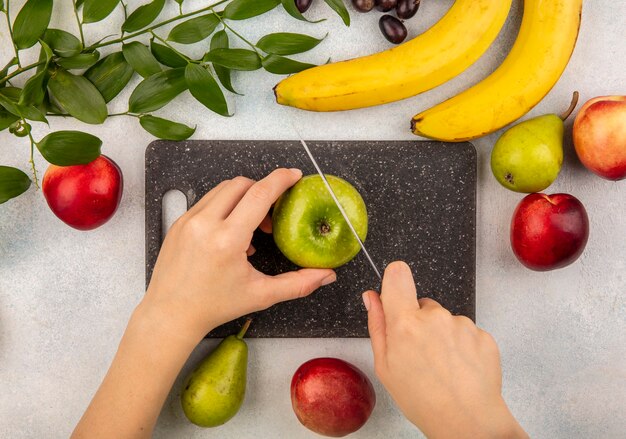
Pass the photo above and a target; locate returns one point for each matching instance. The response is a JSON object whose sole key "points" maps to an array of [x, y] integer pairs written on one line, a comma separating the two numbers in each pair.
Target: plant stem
{"points": [[80, 25], [21, 70], [69, 115], [17, 51], [239, 36], [125, 8], [156, 26], [32, 157]]}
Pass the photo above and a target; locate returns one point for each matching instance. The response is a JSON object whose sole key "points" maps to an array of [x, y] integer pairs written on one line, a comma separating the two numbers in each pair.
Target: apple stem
{"points": [[571, 108], [244, 329]]}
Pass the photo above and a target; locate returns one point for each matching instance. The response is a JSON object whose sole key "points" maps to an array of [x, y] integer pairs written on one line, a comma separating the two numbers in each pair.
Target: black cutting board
{"points": [[421, 200]]}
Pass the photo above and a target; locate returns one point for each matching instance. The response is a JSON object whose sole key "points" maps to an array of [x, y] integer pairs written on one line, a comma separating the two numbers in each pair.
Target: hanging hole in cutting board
{"points": [[174, 205]]}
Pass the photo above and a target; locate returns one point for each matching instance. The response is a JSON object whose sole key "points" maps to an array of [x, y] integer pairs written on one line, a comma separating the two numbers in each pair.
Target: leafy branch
{"points": [[71, 79]]}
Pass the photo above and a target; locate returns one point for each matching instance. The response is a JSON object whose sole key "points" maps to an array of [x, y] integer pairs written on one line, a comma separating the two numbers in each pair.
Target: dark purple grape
{"points": [[386, 5], [363, 5], [392, 29], [303, 5], [407, 8]]}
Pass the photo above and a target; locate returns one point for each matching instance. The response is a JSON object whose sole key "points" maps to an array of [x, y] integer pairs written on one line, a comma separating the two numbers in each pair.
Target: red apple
{"points": [[600, 136], [84, 196], [332, 397], [549, 231]]}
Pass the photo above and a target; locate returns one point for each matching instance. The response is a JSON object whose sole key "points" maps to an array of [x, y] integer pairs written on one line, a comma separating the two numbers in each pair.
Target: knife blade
{"points": [[339, 206]]}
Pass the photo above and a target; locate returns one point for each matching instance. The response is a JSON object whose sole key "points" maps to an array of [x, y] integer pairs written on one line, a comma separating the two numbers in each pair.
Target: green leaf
{"points": [[78, 97], [165, 129], [8, 100], [220, 41], [340, 9], [143, 16], [97, 10], [31, 112], [235, 59], [283, 66], [49, 106], [194, 30], [242, 9], [62, 43], [9, 97], [110, 75], [80, 61], [13, 183], [292, 9], [31, 22], [47, 52], [285, 43], [141, 59], [7, 119], [35, 89], [6, 68], [158, 90], [167, 56], [67, 148], [13, 93], [205, 89]]}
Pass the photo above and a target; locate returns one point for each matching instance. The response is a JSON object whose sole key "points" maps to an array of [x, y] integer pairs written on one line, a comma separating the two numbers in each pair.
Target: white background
{"points": [[65, 296]]}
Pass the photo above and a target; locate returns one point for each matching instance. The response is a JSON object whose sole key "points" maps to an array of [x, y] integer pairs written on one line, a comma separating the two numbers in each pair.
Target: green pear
{"points": [[528, 156], [215, 390]]}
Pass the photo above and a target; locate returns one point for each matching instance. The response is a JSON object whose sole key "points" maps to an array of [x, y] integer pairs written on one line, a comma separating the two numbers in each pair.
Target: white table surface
{"points": [[65, 295]]}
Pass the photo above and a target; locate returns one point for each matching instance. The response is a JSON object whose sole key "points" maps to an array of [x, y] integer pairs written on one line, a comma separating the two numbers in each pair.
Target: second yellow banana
{"points": [[541, 52]]}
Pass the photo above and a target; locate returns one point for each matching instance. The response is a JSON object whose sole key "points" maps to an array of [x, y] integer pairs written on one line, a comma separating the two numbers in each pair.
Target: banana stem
{"points": [[244, 329], [571, 108]]}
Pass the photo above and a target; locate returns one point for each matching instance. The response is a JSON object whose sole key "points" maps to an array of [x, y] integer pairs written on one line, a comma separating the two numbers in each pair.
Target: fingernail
{"points": [[366, 300], [296, 171], [329, 279]]}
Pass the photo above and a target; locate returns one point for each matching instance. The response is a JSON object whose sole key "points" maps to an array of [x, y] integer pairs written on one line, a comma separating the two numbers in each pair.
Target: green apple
{"points": [[308, 227]]}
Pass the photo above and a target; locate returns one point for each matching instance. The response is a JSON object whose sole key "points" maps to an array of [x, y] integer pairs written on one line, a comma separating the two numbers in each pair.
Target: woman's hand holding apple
{"points": [[442, 371], [202, 277]]}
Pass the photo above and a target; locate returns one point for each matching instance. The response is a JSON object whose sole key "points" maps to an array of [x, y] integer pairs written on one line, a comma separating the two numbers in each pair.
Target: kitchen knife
{"points": [[341, 209]]}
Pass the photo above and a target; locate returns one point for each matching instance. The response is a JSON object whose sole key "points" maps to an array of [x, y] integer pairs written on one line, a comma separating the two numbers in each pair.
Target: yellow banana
{"points": [[541, 52], [428, 60]]}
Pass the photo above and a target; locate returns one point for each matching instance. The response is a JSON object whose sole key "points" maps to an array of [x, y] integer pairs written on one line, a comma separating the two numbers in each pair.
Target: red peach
{"points": [[84, 196], [600, 136], [332, 397], [549, 231]]}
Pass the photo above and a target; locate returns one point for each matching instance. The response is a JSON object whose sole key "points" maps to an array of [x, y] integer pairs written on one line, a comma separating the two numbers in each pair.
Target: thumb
{"points": [[376, 324], [295, 284]]}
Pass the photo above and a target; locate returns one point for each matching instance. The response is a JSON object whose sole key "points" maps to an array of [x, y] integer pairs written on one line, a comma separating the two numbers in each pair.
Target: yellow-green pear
{"points": [[528, 156], [214, 391]]}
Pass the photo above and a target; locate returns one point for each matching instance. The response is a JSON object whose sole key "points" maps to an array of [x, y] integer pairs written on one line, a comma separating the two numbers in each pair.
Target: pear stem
{"points": [[244, 329], [571, 108]]}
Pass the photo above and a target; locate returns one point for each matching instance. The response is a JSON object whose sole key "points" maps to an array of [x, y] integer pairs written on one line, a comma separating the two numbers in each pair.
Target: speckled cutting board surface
{"points": [[421, 200]]}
